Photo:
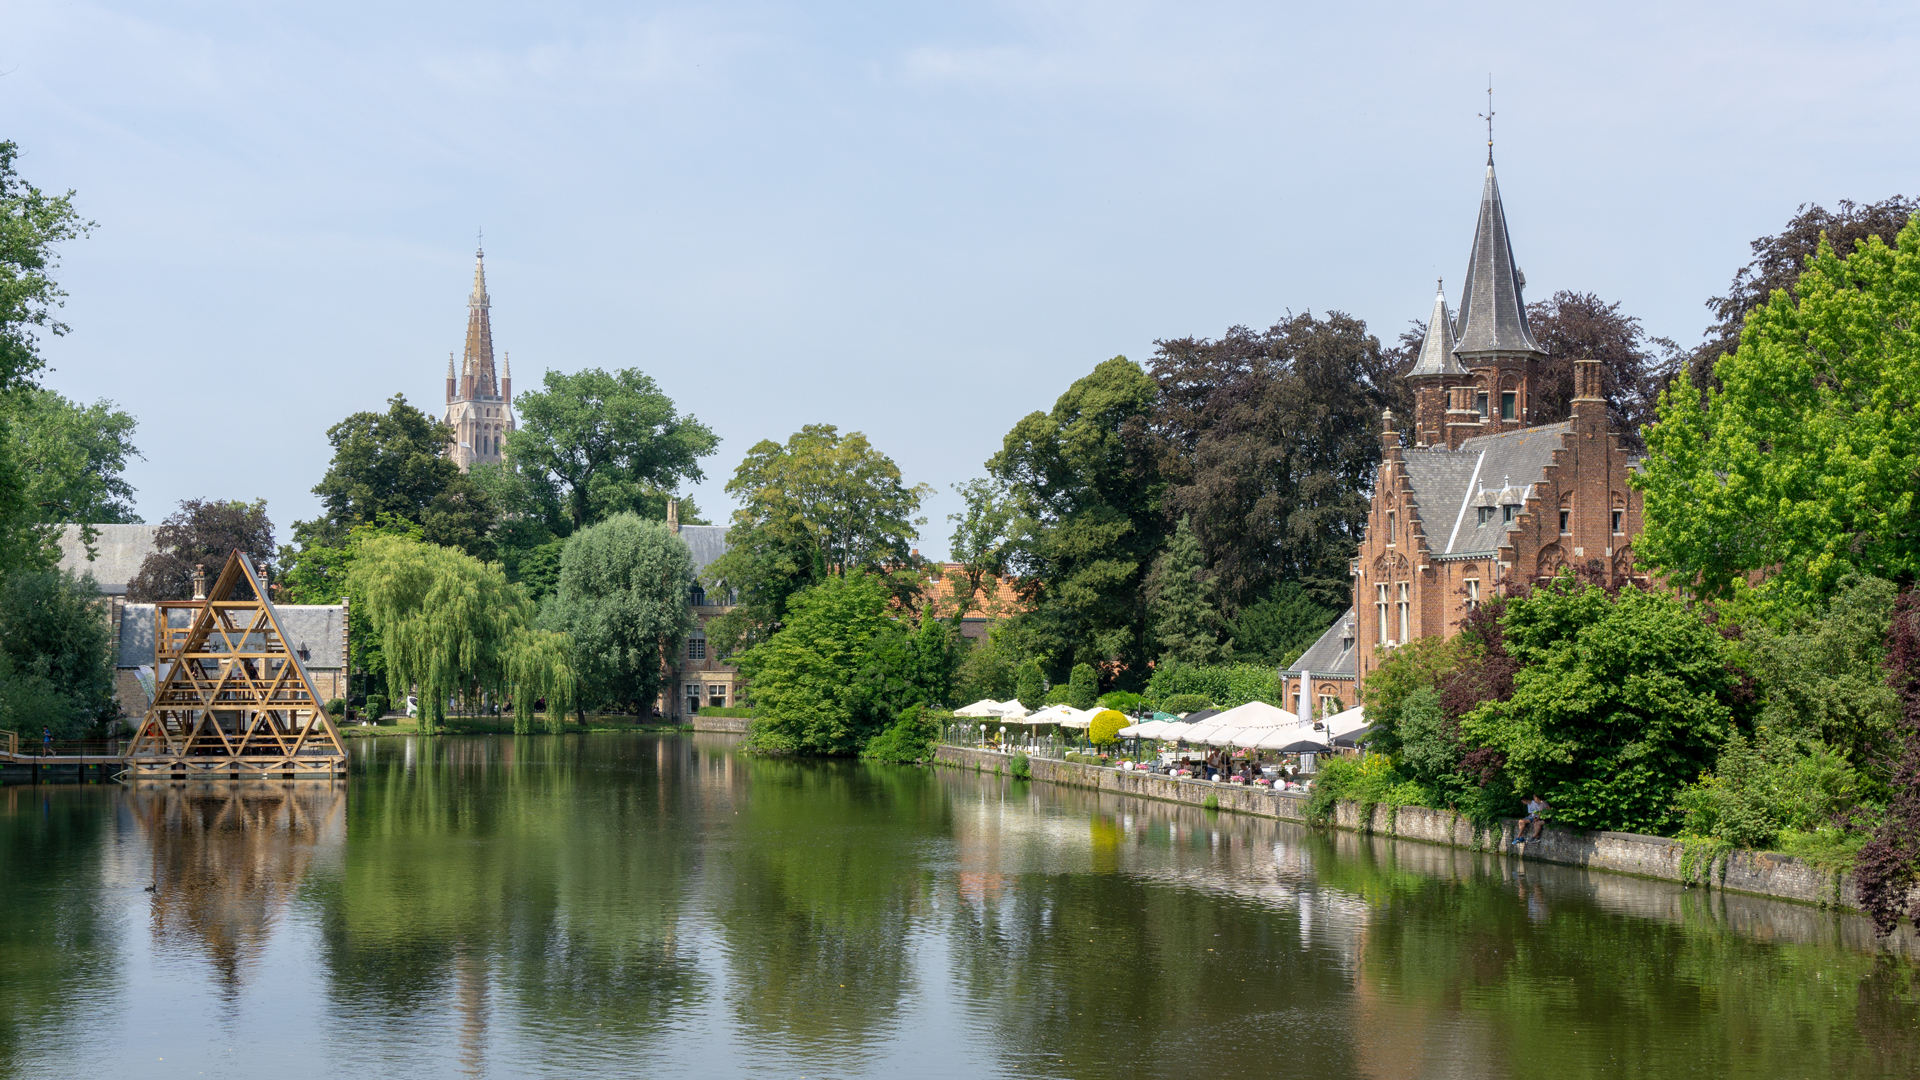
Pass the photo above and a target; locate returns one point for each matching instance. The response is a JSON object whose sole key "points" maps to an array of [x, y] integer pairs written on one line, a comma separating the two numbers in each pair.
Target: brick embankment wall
{"points": [[735, 725], [1752, 872]]}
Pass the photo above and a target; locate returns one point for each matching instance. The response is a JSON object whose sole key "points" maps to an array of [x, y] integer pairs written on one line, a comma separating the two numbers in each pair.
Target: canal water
{"points": [[661, 906]]}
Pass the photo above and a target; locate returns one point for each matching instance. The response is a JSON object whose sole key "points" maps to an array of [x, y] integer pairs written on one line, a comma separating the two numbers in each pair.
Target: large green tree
{"points": [[1619, 699], [844, 668], [1268, 441], [452, 625], [623, 598], [75, 457], [596, 443], [1803, 464], [203, 532], [1184, 624], [821, 505], [1082, 488], [394, 463], [31, 224], [56, 654], [1778, 260]]}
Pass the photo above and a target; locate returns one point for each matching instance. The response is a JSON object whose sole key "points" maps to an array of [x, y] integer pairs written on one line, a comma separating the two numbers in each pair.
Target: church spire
{"points": [[1436, 352], [480, 380], [1493, 313]]}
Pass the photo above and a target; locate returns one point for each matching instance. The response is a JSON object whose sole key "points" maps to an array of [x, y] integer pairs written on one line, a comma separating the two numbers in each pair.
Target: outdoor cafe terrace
{"points": [[1255, 744]]}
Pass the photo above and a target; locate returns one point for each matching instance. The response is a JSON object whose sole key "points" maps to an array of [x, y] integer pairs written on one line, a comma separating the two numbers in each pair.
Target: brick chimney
{"points": [[200, 581], [673, 516]]}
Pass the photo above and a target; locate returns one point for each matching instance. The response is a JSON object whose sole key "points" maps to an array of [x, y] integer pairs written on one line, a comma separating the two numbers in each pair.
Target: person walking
{"points": [[46, 741]]}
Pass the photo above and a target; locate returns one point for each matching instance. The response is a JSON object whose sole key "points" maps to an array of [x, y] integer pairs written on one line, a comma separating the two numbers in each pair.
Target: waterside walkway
{"points": [[1752, 872]]}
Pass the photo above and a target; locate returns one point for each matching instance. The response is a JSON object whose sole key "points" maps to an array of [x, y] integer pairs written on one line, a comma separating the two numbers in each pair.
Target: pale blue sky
{"points": [[918, 221]]}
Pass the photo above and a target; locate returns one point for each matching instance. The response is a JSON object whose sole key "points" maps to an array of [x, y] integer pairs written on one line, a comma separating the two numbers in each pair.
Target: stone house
{"points": [[699, 679], [1489, 493]]}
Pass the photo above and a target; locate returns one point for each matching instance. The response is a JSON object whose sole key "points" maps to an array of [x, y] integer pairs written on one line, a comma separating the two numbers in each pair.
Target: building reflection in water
{"points": [[227, 859]]}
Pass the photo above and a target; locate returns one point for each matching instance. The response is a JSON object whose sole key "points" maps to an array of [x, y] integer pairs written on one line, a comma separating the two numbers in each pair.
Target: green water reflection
{"points": [[617, 906]]}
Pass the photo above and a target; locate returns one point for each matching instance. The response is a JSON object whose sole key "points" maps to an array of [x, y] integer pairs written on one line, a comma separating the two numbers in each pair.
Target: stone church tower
{"points": [[479, 400]]}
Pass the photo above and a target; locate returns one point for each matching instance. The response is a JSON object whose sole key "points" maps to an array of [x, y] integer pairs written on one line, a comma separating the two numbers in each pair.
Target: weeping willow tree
{"points": [[451, 624]]}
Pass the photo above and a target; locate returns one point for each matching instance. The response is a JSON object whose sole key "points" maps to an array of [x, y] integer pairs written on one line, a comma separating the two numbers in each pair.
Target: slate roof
{"points": [[1488, 470], [1332, 654], [316, 626], [1493, 315], [705, 542], [1436, 352], [120, 551]]}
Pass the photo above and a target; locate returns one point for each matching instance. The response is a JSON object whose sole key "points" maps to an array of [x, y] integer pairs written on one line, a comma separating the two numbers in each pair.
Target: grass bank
{"points": [[501, 725]]}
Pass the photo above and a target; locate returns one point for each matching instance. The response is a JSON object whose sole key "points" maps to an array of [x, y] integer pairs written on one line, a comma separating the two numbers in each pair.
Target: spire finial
{"points": [[480, 235], [1488, 117]]}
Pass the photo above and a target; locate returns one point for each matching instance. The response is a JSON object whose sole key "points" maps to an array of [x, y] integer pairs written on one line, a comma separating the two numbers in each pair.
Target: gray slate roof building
{"points": [[119, 551], [1493, 313], [1450, 487], [319, 628], [705, 542], [1332, 654]]}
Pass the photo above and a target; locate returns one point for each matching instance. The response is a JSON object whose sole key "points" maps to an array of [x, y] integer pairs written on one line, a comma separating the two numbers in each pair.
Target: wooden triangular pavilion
{"points": [[231, 700]]}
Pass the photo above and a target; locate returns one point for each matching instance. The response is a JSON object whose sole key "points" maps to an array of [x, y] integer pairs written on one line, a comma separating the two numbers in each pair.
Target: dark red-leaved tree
{"points": [[1884, 872], [202, 532]]}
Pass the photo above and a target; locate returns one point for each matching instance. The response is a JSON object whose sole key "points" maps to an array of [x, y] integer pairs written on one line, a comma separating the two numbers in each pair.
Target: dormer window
{"points": [[1486, 514], [1509, 512], [697, 596]]}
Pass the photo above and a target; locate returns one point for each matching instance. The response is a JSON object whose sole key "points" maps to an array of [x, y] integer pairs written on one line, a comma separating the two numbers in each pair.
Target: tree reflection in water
{"points": [[640, 905]]}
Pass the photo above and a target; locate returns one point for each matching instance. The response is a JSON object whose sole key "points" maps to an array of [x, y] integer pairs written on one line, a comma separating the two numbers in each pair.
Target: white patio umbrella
{"points": [[1149, 730], [1012, 712], [983, 707], [1341, 723], [1286, 736], [1173, 729]]}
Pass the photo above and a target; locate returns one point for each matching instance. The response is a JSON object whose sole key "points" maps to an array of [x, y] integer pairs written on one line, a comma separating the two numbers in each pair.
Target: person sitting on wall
{"points": [[1536, 820]]}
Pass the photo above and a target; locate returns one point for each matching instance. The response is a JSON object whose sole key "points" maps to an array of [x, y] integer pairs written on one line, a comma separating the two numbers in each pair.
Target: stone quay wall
{"points": [[732, 725], [1755, 873]]}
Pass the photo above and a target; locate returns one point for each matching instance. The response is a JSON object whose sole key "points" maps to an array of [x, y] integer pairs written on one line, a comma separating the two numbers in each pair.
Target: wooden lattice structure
{"points": [[231, 701]]}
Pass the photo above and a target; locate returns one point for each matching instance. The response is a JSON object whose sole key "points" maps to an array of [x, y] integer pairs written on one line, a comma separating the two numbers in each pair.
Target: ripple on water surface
{"points": [[599, 906]]}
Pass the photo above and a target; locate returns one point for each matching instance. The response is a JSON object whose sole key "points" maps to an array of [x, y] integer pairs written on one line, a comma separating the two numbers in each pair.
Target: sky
{"points": [[917, 221]]}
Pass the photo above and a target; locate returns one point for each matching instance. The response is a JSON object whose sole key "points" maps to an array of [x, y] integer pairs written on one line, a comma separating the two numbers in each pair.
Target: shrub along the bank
{"points": [[910, 740], [844, 668], [1224, 685]]}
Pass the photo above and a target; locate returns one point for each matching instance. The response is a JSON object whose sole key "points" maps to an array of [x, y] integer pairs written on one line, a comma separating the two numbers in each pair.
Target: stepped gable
{"points": [[1449, 486]]}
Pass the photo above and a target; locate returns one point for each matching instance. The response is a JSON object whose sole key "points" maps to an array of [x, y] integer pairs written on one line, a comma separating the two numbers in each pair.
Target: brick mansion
{"points": [[1478, 491]]}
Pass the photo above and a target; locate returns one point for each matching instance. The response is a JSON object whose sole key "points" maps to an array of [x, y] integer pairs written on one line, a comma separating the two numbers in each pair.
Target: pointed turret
{"points": [[1493, 313], [479, 358], [1436, 352], [1435, 370]]}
